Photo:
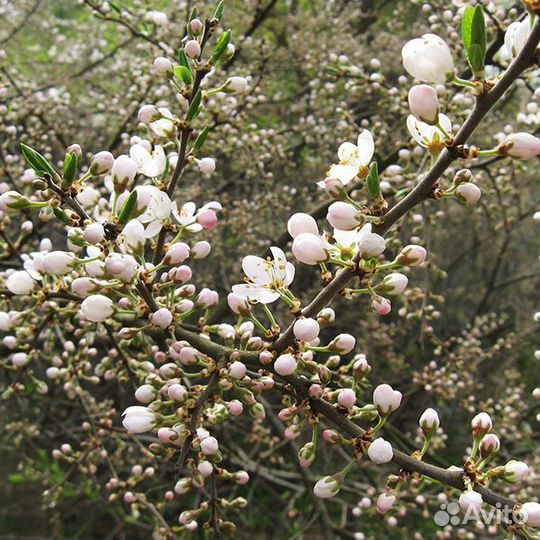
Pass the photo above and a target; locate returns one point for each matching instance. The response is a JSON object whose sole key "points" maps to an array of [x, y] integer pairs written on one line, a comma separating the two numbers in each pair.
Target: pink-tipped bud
{"points": [[343, 216], [309, 249], [306, 329], [207, 218], [302, 223], [412, 255], [520, 146], [381, 305], [347, 397], [424, 103]]}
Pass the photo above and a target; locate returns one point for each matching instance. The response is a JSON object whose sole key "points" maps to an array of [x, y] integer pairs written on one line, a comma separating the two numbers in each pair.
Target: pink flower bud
{"points": [[209, 446], [188, 356], [235, 407], [468, 192], [429, 421], [386, 399], [237, 370], [315, 391], [489, 445], [481, 424], [20, 359], [162, 66], [97, 308], [326, 487], [309, 249], [148, 113], [123, 171], [529, 514], [342, 344], [177, 392], [302, 223], [145, 394], [424, 103], [177, 253], [266, 357], [101, 163], [201, 250], [241, 477], [331, 436], [412, 255], [380, 451], [306, 329], [205, 468], [385, 502], [207, 218], [236, 84], [515, 471], [520, 146], [207, 165], [343, 216], [238, 304], [381, 305], [181, 274], [285, 364], [207, 298], [334, 188], [347, 397], [57, 263], [394, 283], [192, 48], [74, 149], [20, 282], [196, 26], [326, 316], [162, 318], [470, 502], [94, 233]]}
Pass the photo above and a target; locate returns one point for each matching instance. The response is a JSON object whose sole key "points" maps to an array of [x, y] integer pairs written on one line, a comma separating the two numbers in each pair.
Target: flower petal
{"points": [[366, 147], [257, 270]]}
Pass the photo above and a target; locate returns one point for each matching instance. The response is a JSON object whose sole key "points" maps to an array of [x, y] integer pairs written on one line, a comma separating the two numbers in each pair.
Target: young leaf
{"points": [[221, 46], [219, 10], [184, 74], [478, 39], [183, 59], [37, 161], [70, 169], [194, 106], [201, 139], [62, 216], [193, 14], [127, 209], [466, 25], [373, 181]]}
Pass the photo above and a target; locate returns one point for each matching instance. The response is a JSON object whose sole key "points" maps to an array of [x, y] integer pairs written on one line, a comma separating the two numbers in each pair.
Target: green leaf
{"points": [[194, 110], [37, 161], [193, 14], [184, 74], [127, 209], [478, 39], [70, 169], [201, 139], [221, 46], [473, 30], [373, 183], [466, 25], [183, 59], [62, 216], [219, 10]]}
